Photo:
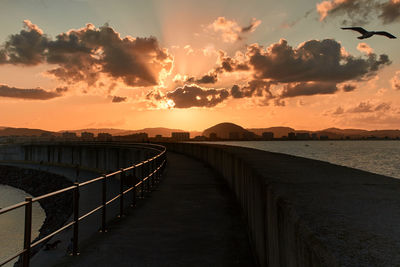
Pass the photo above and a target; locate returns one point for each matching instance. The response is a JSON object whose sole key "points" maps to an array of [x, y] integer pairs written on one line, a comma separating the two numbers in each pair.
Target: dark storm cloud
{"points": [[390, 11], [32, 94], [253, 88], [196, 96], [209, 78], [307, 89], [229, 64], [360, 12], [312, 61], [118, 99], [26, 48], [81, 55]]}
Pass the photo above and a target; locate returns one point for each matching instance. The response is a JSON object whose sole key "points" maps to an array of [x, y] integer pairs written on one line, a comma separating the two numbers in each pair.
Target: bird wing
{"points": [[357, 29], [386, 34]]}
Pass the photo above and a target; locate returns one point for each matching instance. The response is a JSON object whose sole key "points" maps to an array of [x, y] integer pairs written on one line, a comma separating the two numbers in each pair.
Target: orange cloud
{"points": [[365, 48], [230, 30]]}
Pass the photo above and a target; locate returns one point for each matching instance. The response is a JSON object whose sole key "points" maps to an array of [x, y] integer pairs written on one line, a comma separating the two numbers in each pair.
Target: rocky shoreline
{"points": [[57, 208]]}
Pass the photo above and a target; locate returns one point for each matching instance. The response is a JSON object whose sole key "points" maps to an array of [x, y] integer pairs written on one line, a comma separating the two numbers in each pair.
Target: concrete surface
{"points": [[191, 219], [304, 212]]}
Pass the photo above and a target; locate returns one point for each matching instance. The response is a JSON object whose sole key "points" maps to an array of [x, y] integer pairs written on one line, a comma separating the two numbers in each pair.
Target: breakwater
{"points": [[303, 212], [37, 183], [95, 156]]}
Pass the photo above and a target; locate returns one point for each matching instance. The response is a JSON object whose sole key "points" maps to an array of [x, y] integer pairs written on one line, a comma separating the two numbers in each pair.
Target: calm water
{"points": [[12, 223], [382, 157]]}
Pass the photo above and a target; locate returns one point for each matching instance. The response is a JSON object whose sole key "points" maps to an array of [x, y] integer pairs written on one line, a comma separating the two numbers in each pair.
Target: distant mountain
{"points": [[223, 129], [7, 131], [166, 132], [278, 131]]}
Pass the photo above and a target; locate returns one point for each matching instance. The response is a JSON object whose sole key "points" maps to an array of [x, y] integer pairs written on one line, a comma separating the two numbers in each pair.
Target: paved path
{"points": [[191, 219]]}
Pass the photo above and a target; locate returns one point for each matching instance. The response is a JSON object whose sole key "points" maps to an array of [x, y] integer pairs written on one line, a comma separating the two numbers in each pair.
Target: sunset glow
{"points": [[191, 64]]}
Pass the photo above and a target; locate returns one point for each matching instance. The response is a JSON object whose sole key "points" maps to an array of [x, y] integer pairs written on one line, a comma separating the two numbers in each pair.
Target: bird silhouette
{"points": [[367, 34]]}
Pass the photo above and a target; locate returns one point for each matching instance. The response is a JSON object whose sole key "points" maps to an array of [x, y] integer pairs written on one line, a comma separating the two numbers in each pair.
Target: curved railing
{"points": [[147, 173]]}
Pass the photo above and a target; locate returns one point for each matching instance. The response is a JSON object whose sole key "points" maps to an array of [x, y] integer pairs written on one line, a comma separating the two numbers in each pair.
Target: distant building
{"points": [[234, 136], [69, 136], [292, 136], [213, 136], [180, 136], [314, 136], [200, 138], [323, 137], [104, 137], [267, 135], [138, 137], [249, 136], [302, 136], [86, 136]]}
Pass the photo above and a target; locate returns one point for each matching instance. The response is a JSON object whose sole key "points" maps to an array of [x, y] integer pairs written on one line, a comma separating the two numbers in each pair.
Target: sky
{"points": [[76, 64]]}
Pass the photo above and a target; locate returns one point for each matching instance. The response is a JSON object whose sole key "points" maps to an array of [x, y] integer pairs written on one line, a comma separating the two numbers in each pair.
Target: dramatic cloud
{"points": [[196, 96], [84, 54], [311, 61], [314, 67], [396, 81], [31, 94], [118, 99], [365, 48], [253, 88], [390, 11], [230, 30], [307, 89], [359, 12], [26, 48], [208, 78]]}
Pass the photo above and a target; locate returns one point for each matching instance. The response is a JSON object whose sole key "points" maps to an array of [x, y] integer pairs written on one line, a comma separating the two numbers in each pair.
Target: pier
{"points": [[231, 206]]}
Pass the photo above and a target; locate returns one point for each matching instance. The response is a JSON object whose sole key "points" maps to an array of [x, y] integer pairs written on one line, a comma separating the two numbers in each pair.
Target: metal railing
{"points": [[147, 172]]}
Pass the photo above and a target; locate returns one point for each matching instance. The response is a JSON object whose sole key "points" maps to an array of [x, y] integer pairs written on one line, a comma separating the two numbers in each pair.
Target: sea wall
{"points": [[303, 212], [37, 183], [101, 157]]}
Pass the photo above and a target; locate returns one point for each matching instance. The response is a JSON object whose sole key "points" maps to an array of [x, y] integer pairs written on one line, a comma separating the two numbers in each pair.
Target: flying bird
{"points": [[367, 34]]}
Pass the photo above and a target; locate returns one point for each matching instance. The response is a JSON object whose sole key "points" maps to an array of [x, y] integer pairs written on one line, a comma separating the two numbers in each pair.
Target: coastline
{"points": [[36, 183]]}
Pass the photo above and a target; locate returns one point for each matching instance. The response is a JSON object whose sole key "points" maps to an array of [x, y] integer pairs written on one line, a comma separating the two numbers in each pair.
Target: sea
{"points": [[381, 157], [12, 223], [376, 156]]}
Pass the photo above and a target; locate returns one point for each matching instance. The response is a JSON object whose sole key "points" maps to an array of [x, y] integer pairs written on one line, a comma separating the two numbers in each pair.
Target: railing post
{"points": [[27, 232], [142, 179], [152, 171], [76, 220], [134, 187], [104, 200], [121, 192], [148, 175]]}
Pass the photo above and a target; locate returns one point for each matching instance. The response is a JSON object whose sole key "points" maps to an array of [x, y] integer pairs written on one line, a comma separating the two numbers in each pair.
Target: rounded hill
{"points": [[225, 130]]}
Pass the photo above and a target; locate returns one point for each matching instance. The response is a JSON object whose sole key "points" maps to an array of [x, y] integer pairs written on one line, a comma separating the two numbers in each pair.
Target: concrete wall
{"points": [[303, 212], [92, 156]]}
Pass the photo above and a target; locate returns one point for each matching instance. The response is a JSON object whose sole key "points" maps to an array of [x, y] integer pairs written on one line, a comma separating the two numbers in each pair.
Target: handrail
{"points": [[152, 173]]}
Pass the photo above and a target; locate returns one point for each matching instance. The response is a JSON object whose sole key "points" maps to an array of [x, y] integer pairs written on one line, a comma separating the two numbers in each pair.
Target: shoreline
{"points": [[36, 183]]}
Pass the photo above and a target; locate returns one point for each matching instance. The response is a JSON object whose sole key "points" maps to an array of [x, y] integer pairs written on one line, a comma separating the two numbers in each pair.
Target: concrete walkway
{"points": [[191, 219]]}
